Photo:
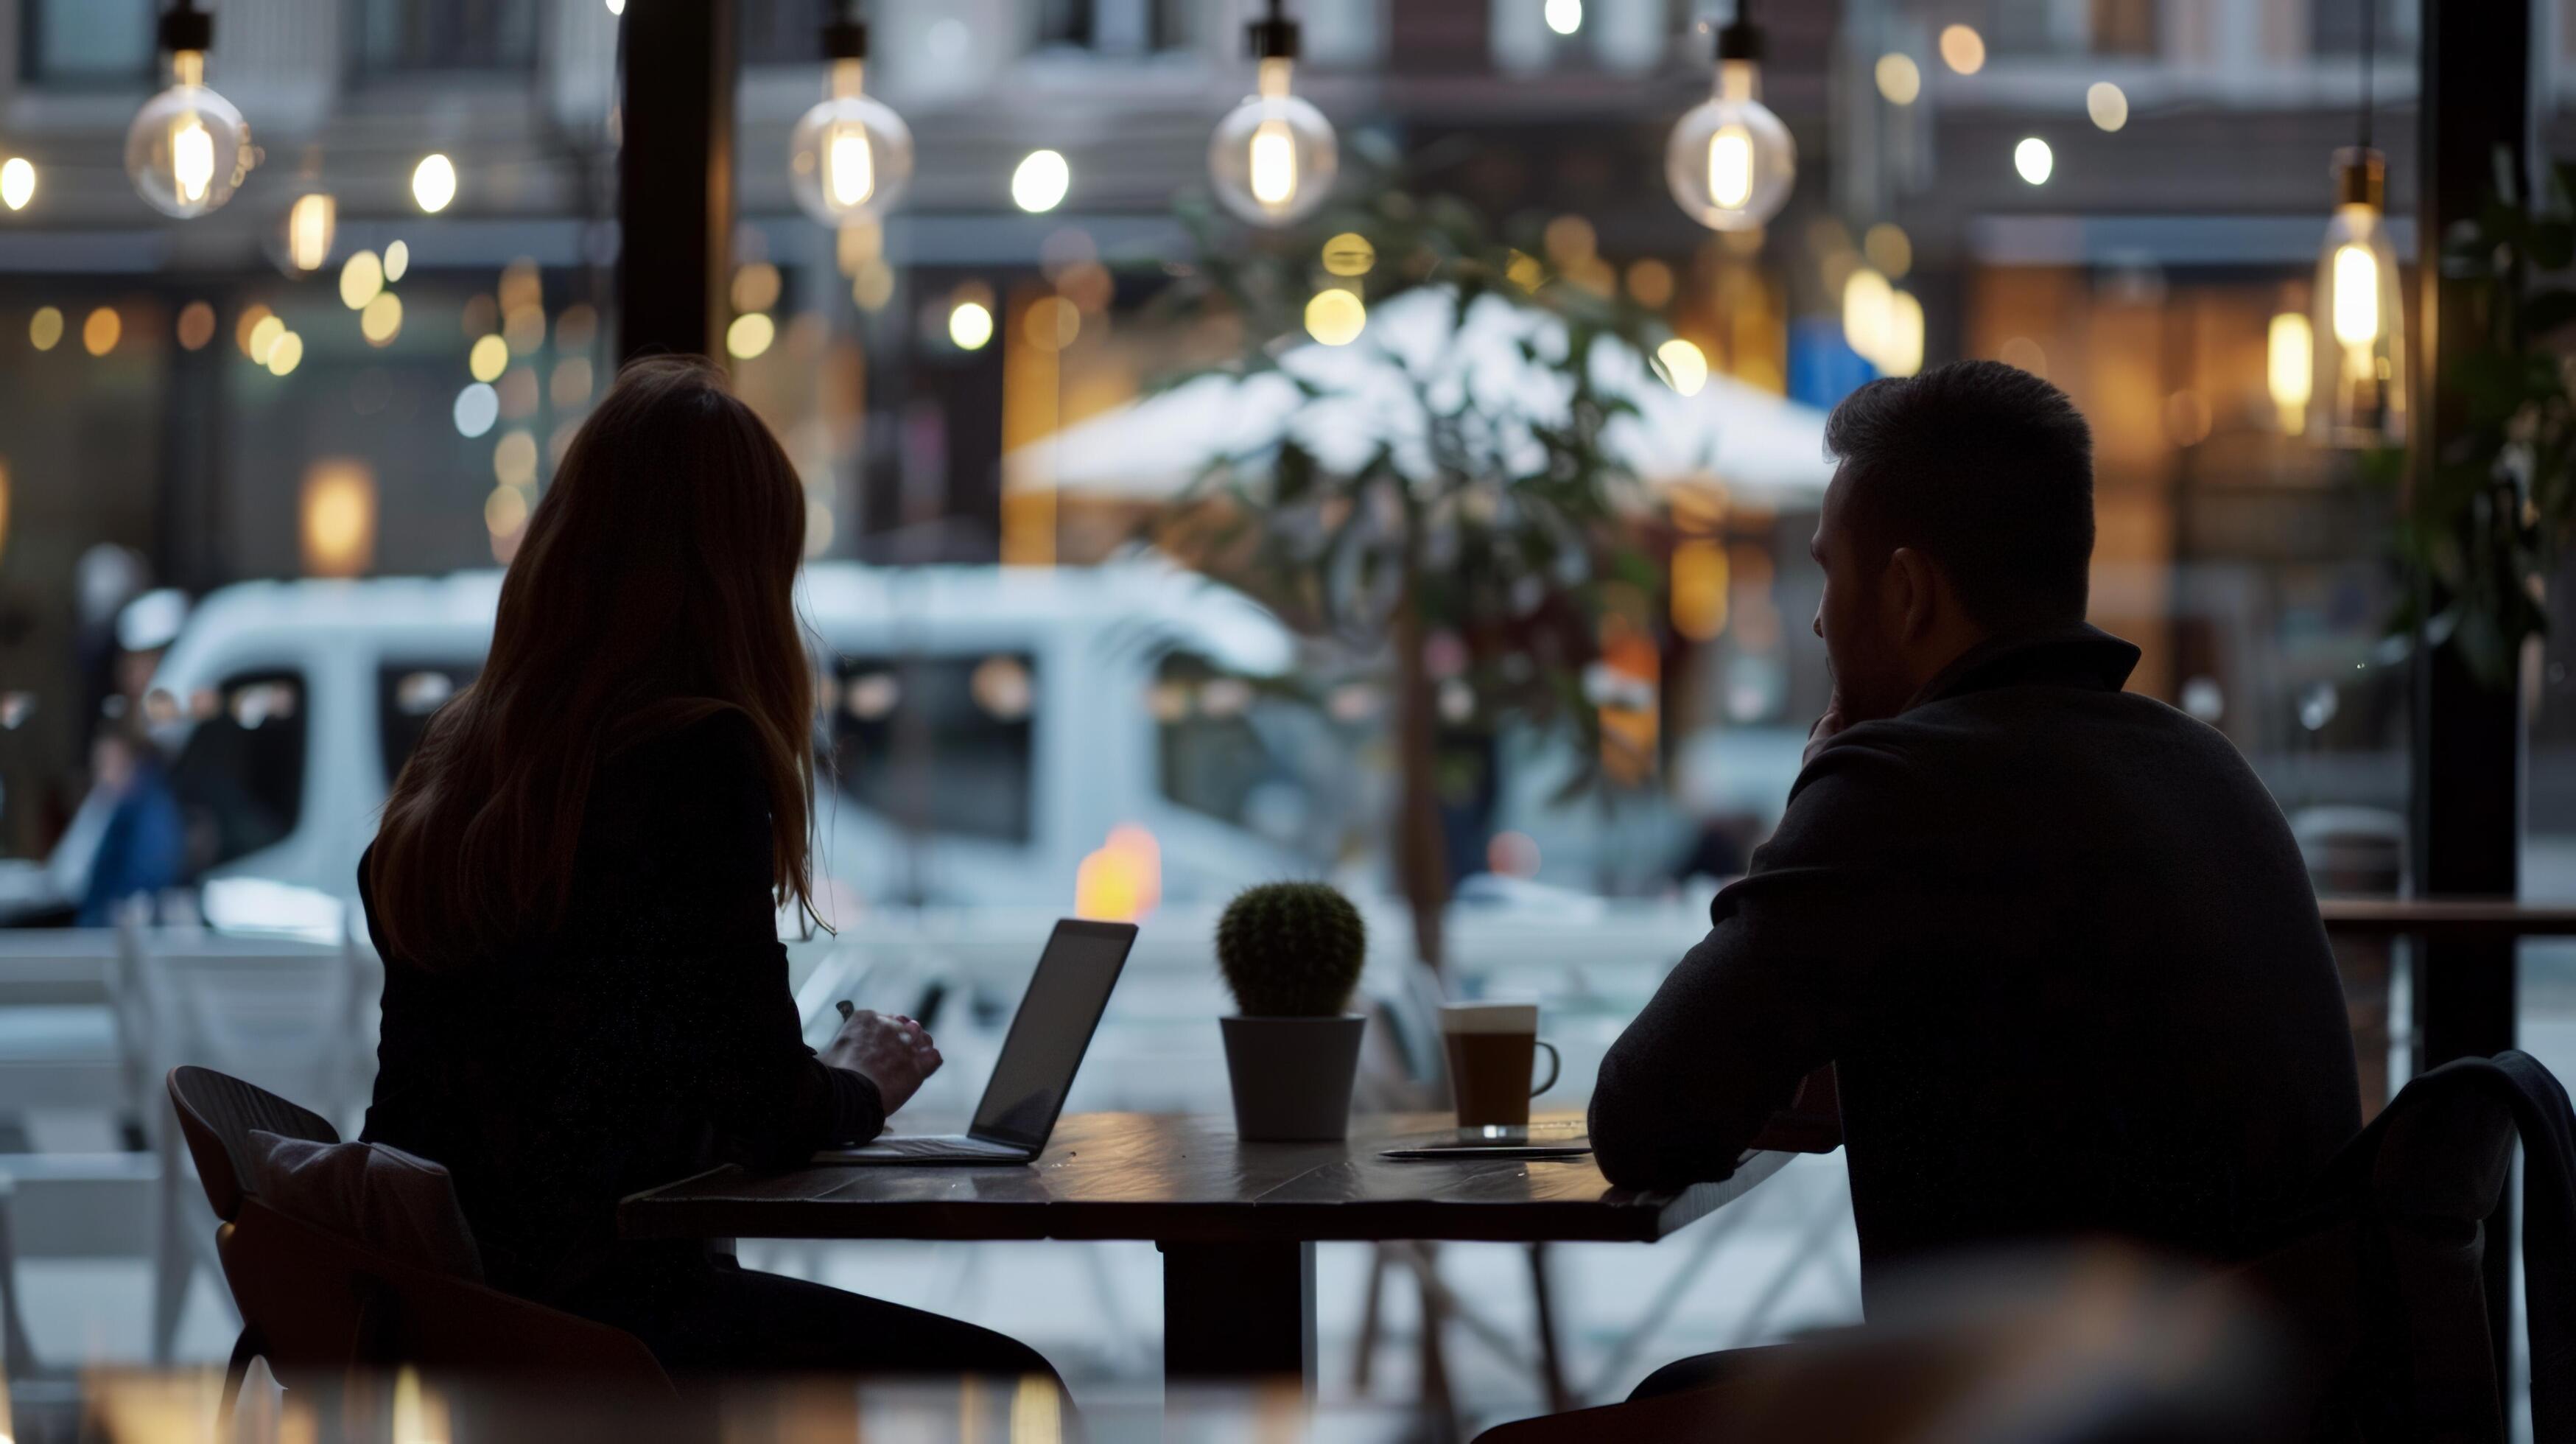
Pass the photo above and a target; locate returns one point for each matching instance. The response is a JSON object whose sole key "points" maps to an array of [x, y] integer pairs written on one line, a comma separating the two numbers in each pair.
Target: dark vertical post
{"points": [[2468, 739], [675, 177], [193, 527]]}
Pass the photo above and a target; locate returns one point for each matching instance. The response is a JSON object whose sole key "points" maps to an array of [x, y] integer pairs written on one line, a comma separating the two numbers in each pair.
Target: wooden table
{"points": [[1237, 1223]]}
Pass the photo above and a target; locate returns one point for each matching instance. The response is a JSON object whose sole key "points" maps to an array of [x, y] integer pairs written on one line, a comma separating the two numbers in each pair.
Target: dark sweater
{"points": [[2064, 956], [649, 1037]]}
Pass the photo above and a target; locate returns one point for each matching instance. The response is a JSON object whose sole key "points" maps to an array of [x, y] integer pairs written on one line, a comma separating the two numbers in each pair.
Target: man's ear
{"points": [[1913, 591]]}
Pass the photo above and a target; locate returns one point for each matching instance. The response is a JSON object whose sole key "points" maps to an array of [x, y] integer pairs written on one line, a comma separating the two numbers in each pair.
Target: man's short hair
{"points": [[1986, 469]]}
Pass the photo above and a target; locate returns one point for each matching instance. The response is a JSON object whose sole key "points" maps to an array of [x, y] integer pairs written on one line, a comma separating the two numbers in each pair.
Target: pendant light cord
{"points": [[2369, 55]]}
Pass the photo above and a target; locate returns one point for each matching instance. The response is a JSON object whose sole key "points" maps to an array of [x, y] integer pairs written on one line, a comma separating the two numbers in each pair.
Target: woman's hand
{"points": [[895, 1053]]}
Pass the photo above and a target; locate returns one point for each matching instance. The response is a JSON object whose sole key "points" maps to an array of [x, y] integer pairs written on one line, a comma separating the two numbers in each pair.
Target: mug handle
{"points": [[1555, 1065]]}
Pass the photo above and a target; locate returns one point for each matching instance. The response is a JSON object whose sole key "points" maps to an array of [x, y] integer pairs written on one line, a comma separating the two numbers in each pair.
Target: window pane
{"points": [[408, 694], [240, 777], [88, 40], [447, 34], [938, 744]]}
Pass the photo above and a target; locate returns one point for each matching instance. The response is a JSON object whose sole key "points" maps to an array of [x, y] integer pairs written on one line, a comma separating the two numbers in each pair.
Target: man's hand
{"points": [[895, 1053], [1825, 728]]}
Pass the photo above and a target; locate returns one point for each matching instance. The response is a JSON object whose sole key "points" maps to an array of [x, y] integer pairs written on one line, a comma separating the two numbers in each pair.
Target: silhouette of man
{"points": [[2054, 937]]}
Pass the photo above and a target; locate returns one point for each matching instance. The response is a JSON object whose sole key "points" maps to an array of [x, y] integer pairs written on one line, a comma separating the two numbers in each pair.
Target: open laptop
{"points": [[1058, 1014]]}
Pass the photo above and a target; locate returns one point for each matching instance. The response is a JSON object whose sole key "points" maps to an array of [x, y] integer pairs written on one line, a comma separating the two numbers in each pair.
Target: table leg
{"points": [[1239, 1311]]}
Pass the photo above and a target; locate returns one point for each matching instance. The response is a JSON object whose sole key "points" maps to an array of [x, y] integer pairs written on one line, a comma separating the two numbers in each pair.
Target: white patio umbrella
{"points": [[1764, 448]]}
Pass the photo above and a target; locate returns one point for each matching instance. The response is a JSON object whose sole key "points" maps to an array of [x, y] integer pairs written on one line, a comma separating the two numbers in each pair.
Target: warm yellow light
{"points": [[1040, 181], [381, 322], [489, 358], [433, 182], [362, 276], [1685, 369], [1730, 166], [1349, 254], [263, 338], [1898, 78], [1889, 248], [1901, 353], [339, 517], [505, 510], [970, 325], [2108, 104], [749, 335], [397, 260], [285, 354], [196, 325], [309, 224], [1699, 589], [756, 286], [1274, 163], [849, 166], [1963, 49], [17, 182], [2034, 160], [514, 458], [524, 327], [192, 156], [1052, 323], [1123, 880], [1336, 317], [45, 328], [2290, 366], [100, 332], [2356, 295], [1867, 301]]}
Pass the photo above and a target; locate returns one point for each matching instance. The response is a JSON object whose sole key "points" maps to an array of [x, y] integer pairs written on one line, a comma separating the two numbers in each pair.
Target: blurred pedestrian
{"points": [[141, 851]]}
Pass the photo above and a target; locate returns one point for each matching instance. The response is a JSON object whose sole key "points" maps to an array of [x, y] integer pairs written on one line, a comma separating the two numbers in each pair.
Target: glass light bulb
{"points": [[1273, 158], [188, 148], [2358, 392], [2356, 295], [1730, 161], [850, 157]]}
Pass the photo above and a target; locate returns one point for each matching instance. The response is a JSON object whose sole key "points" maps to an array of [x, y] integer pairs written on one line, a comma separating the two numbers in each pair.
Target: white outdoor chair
{"points": [[290, 1016]]}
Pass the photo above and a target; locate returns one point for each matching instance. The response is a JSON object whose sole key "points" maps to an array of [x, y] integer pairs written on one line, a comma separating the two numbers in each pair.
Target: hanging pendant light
{"points": [[1730, 161], [850, 157], [2359, 398], [188, 148], [1272, 159]]}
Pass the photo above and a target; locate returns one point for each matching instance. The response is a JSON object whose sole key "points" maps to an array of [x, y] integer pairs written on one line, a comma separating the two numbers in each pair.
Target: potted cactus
{"points": [[1292, 952]]}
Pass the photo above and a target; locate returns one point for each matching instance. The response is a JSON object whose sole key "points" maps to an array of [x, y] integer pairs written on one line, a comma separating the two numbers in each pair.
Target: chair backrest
{"points": [[320, 1305], [216, 1115], [2389, 1291]]}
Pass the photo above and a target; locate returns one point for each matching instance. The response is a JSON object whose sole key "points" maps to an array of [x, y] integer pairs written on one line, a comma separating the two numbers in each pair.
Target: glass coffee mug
{"points": [[1493, 1050]]}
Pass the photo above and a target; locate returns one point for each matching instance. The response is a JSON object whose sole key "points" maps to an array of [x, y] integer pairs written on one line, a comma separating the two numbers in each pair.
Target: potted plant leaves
{"points": [[1292, 952]]}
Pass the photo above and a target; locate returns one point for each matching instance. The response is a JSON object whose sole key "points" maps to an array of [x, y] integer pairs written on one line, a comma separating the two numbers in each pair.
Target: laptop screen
{"points": [[1049, 1034]]}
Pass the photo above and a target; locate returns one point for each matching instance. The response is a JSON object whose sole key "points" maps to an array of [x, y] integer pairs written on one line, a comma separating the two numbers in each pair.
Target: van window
{"points": [[938, 744], [1232, 750], [240, 777], [407, 694]]}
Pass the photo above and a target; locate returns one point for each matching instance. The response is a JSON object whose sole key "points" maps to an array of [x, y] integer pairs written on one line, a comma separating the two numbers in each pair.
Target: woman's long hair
{"points": [[654, 587]]}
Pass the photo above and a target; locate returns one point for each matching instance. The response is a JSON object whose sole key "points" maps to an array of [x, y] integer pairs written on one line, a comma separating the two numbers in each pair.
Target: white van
{"points": [[986, 728]]}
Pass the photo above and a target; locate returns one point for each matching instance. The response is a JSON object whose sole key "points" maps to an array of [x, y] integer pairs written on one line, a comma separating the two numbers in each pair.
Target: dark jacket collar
{"points": [[2079, 656]]}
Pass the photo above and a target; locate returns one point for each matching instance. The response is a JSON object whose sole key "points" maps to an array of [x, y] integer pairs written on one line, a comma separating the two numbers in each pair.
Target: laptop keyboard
{"points": [[938, 1147]]}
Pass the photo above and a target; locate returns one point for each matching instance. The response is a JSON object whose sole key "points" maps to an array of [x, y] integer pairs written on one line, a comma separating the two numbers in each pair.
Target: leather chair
{"points": [[320, 1307]]}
